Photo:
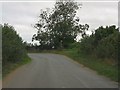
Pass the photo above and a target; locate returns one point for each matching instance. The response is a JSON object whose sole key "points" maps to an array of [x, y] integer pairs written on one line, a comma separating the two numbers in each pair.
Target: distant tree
{"points": [[59, 28]]}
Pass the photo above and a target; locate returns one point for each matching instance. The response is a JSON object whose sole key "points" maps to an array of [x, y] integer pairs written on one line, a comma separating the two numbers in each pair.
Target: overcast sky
{"points": [[23, 15]]}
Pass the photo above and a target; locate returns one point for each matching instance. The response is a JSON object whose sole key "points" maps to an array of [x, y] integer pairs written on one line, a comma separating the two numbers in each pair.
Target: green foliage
{"points": [[104, 43], [12, 66], [108, 47], [59, 28], [74, 45], [87, 45], [12, 47], [101, 32]]}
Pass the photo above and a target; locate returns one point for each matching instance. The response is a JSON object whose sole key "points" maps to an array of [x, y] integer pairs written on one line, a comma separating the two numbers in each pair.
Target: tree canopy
{"points": [[60, 27]]}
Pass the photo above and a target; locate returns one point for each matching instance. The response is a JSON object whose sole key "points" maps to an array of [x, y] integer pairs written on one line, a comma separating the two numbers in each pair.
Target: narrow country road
{"points": [[55, 71]]}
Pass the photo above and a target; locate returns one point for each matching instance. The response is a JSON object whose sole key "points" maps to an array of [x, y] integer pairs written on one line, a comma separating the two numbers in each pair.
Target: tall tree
{"points": [[60, 27]]}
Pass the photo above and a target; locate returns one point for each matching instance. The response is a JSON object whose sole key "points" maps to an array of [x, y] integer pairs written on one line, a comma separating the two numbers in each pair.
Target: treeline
{"points": [[13, 49], [30, 47], [103, 43]]}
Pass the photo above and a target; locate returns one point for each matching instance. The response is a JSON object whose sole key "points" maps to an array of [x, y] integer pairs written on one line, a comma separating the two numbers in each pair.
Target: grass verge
{"points": [[12, 66], [99, 65]]}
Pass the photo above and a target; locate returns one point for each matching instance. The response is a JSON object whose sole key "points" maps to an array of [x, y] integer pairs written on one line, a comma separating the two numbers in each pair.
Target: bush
{"points": [[104, 43], [12, 46], [86, 45], [108, 47]]}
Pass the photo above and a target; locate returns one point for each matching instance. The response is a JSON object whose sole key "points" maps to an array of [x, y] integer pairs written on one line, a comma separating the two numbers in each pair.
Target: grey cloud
{"points": [[25, 32], [119, 15], [24, 14], [99, 13]]}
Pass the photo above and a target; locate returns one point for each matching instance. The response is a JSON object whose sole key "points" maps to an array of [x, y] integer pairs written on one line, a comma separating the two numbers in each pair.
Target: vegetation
{"points": [[59, 28], [102, 44], [100, 54], [99, 65], [13, 50], [57, 31]]}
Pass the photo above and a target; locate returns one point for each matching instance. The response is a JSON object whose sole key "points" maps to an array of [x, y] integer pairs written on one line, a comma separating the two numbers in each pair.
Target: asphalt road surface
{"points": [[55, 71]]}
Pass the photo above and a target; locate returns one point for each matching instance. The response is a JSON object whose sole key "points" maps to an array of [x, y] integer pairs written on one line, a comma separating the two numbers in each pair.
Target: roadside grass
{"points": [[99, 65], [12, 66]]}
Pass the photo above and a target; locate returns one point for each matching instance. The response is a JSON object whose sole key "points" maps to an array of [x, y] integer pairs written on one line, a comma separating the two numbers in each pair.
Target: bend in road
{"points": [[55, 71]]}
